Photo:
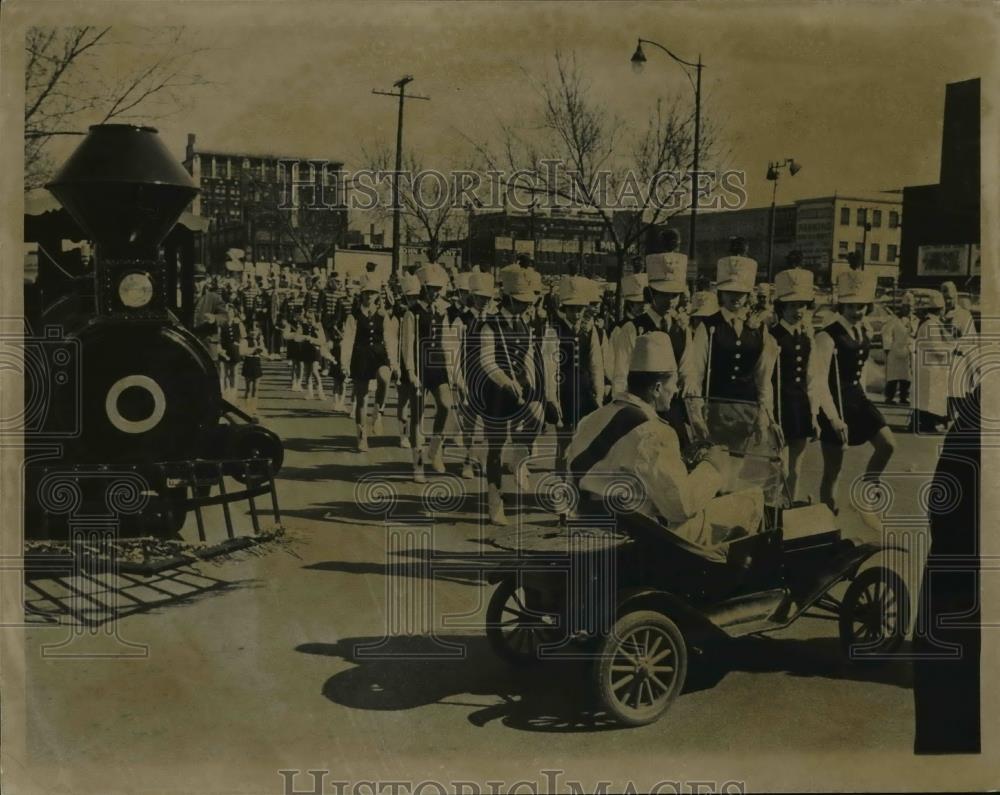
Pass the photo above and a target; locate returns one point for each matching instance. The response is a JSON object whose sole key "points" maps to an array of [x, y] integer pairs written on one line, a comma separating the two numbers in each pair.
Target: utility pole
{"points": [[402, 95]]}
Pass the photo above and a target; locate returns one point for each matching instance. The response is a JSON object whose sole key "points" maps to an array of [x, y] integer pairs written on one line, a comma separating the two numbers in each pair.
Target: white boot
{"points": [[296, 386], [495, 502], [319, 391], [467, 473], [435, 452], [418, 466], [404, 441], [377, 423], [362, 439]]}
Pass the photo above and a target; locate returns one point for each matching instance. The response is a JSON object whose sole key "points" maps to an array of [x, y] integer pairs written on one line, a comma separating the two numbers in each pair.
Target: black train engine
{"points": [[136, 413]]}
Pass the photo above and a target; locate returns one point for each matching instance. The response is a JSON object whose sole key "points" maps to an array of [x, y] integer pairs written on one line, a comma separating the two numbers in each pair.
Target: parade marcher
{"points": [[292, 333], [428, 355], [934, 348], [514, 383], [962, 327], [666, 275], [898, 337], [631, 436], [405, 392], [209, 312], [364, 346], [579, 362], [794, 295], [481, 289], [231, 334], [252, 348], [595, 317], [727, 374], [622, 337], [313, 349], [842, 409], [335, 309]]}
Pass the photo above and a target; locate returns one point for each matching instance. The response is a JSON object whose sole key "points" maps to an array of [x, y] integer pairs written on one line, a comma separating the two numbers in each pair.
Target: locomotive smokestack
{"points": [[124, 188]]}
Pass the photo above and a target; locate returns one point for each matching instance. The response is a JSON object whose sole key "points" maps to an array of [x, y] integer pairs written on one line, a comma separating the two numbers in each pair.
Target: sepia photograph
{"points": [[498, 397]]}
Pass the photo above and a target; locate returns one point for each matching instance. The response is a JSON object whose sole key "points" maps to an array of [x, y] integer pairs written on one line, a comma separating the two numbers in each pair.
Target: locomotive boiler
{"points": [[142, 405]]}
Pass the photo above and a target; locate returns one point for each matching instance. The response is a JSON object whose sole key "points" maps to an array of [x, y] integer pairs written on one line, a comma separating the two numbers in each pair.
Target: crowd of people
{"points": [[667, 389]]}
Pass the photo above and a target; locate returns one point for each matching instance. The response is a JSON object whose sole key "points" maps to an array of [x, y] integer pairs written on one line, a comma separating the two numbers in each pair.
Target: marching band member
{"points": [[793, 296], [514, 383], [630, 435], [231, 333], [364, 346], [312, 350], [844, 413], [428, 353], [480, 294], [579, 361], [624, 334], [335, 309], [594, 317], [405, 393], [252, 347], [898, 335], [728, 371]]}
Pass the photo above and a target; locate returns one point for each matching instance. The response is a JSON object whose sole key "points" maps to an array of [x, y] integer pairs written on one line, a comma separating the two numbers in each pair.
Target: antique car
{"points": [[636, 598]]}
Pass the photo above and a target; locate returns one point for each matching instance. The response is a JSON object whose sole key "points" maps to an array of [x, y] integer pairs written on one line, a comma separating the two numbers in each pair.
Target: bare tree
{"points": [[313, 223], [83, 75], [576, 154], [427, 199]]}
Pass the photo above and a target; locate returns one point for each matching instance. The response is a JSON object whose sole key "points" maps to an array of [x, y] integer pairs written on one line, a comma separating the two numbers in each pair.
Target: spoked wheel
{"points": [[516, 631], [641, 667], [874, 614]]}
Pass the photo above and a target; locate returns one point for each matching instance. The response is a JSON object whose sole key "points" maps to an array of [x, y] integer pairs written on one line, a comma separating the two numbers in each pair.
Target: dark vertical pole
{"points": [[395, 183], [697, 156], [770, 235]]}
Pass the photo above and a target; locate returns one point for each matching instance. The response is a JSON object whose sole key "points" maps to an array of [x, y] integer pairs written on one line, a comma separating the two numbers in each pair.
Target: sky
{"points": [[854, 92]]}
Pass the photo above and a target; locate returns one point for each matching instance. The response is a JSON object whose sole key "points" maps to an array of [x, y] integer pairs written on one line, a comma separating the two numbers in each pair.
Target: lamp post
{"points": [[773, 172], [638, 61]]}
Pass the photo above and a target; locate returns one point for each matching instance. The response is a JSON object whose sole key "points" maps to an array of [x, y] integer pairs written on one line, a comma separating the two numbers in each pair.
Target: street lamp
{"points": [[773, 172], [638, 62]]}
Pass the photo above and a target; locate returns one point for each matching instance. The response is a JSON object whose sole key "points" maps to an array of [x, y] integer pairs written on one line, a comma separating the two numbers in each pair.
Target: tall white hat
{"points": [[482, 284], [369, 282], [433, 275], [634, 286], [736, 274], [517, 283], [667, 272], [576, 291], [856, 287], [794, 284]]}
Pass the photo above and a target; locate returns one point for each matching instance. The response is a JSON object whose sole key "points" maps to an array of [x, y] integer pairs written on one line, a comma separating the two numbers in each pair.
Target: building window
{"points": [[876, 218], [842, 246], [893, 219], [845, 216], [862, 216], [891, 253], [875, 252]]}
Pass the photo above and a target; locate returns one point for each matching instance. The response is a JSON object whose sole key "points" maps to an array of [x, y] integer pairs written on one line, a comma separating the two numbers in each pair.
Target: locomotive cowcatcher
{"points": [[124, 414]]}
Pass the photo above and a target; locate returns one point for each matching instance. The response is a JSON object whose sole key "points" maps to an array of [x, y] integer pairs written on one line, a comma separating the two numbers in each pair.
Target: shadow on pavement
{"points": [[401, 673], [411, 672]]}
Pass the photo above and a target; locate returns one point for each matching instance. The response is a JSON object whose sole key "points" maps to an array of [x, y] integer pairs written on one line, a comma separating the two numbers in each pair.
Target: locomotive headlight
{"points": [[135, 290]]}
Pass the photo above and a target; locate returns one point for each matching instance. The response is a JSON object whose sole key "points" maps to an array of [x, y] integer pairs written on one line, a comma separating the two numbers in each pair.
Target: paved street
{"points": [[279, 660]]}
